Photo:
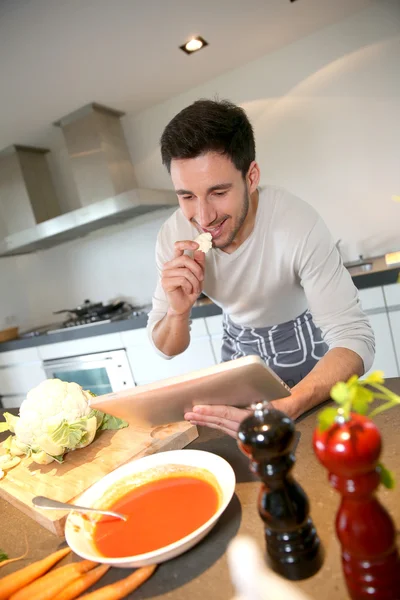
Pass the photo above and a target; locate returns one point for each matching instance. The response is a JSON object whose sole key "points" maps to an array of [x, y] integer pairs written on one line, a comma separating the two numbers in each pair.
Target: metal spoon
{"points": [[43, 502]]}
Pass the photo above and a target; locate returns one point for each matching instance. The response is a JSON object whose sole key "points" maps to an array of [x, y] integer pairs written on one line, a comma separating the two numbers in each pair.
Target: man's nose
{"points": [[205, 214]]}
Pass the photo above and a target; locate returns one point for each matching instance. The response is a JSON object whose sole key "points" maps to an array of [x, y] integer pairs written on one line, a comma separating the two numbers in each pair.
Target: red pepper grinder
{"points": [[293, 546], [350, 450]]}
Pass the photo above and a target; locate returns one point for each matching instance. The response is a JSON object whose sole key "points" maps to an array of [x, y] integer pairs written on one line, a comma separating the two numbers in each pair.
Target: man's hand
{"points": [[225, 418], [182, 278]]}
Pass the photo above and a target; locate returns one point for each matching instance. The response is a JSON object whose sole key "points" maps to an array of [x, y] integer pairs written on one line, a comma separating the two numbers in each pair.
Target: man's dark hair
{"points": [[210, 126]]}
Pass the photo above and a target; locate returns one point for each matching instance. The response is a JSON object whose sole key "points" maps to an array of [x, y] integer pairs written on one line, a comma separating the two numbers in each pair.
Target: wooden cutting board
{"points": [[84, 467]]}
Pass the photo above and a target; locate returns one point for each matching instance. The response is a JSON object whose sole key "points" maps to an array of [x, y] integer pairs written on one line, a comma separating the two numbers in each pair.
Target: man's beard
{"points": [[241, 220]]}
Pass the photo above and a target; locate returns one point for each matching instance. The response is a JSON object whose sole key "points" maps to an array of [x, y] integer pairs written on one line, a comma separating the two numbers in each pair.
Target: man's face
{"points": [[212, 195]]}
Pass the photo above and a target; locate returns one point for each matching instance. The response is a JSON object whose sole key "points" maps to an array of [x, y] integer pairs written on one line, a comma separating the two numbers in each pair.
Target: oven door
{"points": [[101, 373]]}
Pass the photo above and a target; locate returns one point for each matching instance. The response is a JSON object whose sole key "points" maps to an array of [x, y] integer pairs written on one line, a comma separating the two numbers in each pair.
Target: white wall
{"points": [[326, 113]]}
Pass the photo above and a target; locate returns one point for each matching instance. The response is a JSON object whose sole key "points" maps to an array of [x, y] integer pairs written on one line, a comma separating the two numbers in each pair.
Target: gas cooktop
{"points": [[86, 316]]}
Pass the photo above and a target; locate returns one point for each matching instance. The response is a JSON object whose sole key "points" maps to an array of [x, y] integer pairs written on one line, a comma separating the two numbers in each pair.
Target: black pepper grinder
{"points": [[293, 546]]}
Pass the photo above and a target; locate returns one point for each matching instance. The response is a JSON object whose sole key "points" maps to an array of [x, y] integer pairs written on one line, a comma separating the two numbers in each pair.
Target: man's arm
{"points": [[171, 335], [338, 364], [179, 286]]}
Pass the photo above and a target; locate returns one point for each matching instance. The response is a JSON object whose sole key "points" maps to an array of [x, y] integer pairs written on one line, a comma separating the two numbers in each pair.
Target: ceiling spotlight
{"points": [[193, 45]]}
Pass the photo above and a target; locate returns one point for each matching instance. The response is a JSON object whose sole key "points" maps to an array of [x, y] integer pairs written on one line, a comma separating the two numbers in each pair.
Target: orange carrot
{"points": [[48, 586], [15, 581], [83, 583], [120, 589]]}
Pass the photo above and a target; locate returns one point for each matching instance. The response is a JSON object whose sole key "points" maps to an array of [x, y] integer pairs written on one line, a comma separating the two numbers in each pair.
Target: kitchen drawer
{"points": [[91, 345], [137, 337], [372, 298], [214, 324], [392, 294], [14, 357], [394, 319], [13, 401], [385, 357], [19, 379], [147, 366], [216, 341]]}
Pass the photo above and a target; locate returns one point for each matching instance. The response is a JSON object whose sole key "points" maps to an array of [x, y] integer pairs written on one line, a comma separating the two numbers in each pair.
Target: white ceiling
{"points": [[57, 55]]}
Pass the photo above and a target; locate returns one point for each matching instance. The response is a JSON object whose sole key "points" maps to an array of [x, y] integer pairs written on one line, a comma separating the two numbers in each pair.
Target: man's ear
{"points": [[253, 177]]}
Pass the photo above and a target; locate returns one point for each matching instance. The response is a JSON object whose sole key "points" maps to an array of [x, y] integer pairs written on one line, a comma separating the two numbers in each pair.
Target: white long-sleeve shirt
{"points": [[288, 264]]}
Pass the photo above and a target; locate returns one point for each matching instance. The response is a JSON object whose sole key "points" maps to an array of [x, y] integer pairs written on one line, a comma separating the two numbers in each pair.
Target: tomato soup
{"points": [[160, 512]]}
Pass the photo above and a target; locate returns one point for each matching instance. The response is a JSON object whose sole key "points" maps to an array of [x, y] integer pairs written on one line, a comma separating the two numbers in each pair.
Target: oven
{"points": [[101, 373]]}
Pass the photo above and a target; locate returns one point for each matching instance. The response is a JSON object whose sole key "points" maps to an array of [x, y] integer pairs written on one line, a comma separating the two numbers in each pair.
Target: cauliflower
{"points": [[54, 418]]}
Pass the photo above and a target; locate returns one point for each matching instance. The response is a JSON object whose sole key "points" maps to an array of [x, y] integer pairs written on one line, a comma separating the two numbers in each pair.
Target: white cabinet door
{"points": [[12, 401], [372, 298], [16, 357], [214, 324], [19, 379], [147, 366], [216, 341], [90, 345], [385, 358], [392, 294], [394, 318]]}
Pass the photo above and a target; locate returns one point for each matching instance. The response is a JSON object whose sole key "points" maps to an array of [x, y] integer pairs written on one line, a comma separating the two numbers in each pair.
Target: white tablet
{"points": [[237, 382]]}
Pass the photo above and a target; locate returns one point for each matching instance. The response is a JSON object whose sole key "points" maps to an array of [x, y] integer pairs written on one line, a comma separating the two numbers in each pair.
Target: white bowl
{"points": [[76, 527]]}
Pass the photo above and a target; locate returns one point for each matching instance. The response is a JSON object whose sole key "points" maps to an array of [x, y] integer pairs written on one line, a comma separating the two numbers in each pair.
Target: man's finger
{"points": [[211, 420], [173, 283], [185, 261], [182, 272], [230, 413], [230, 432], [181, 246], [200, 258]]}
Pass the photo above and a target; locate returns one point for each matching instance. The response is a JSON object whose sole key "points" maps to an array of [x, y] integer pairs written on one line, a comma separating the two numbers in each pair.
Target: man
{"points": [[273, 268]]}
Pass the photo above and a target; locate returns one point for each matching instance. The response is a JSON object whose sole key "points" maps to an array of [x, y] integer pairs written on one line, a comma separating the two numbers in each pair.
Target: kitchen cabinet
{"points": [[394, 319], [372, 298], [89, 345], [20, 371], [385, 356], [147, 366], [214, 327], [392, 294]]}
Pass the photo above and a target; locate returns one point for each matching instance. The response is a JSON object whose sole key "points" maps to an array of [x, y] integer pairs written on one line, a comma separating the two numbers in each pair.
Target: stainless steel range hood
{"points": [[79, 222], [104, 179]]}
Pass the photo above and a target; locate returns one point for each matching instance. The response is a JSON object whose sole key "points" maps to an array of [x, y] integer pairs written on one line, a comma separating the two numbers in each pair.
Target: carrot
{"points": [[48, 586], [83, 583], [15, 581], [122, 588]]}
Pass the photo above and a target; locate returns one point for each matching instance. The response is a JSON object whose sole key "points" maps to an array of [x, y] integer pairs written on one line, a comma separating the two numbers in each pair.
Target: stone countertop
{"points": [[202, 572], [380, 274], [204, 308]]}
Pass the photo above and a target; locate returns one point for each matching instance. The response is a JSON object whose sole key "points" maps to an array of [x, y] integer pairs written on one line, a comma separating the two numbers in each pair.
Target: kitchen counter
{"points": [[203, 572], [204, 308], [380, 274]]}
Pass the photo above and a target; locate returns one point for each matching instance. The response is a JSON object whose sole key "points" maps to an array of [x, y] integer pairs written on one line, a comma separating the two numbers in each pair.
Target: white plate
{"points": [[76, 526]]}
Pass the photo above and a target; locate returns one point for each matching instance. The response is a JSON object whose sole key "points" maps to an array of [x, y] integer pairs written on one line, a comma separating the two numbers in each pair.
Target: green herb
{"points": [[3, 556], [354, 396], [387, 477]]}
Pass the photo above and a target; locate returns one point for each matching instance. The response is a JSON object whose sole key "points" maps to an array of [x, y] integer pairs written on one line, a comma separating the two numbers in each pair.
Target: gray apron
{"points": [[290, 349]]}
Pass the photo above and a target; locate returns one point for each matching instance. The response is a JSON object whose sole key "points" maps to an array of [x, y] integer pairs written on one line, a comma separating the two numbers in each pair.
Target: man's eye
{"points": [[220, 194], [187, 197]]}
